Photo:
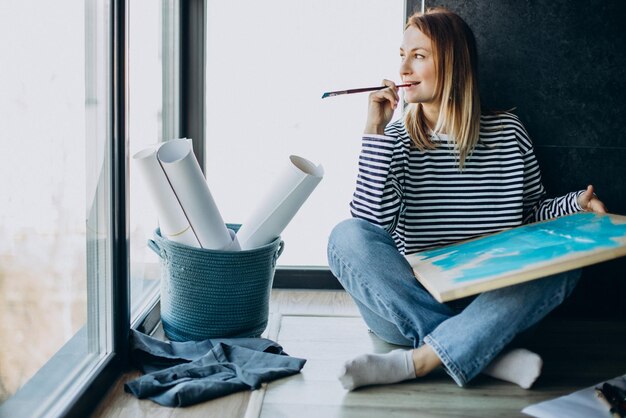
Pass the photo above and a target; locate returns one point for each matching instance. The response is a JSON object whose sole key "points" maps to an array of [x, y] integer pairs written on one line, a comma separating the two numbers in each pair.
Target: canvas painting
{"points": [[520, 254]]}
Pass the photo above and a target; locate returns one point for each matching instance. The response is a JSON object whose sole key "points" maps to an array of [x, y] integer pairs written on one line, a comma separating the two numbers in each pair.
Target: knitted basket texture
{"points": [[211, 293]]}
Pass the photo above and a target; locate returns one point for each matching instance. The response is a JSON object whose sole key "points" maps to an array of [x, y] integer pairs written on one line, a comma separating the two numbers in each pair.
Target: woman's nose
{"points": [[405, 68]]}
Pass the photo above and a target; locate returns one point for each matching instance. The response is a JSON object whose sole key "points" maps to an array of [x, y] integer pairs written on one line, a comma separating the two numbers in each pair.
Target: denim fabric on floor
{"points": [[185, 373], [149, 354]]}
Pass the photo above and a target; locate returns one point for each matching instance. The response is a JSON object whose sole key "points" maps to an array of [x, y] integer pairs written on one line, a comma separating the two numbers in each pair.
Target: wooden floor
{"points": [[325, 328]]}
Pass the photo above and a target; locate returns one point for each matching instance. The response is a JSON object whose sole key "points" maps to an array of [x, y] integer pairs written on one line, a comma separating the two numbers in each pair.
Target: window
{"points": [[152, 118], [268, 64], [67, 135], [55, 279], [64, 266]]}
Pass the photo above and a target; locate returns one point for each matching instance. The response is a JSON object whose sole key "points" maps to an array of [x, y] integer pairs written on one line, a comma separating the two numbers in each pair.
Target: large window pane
{"points": [[153, 66], [55, 217], [268, 64], [145, 127]]}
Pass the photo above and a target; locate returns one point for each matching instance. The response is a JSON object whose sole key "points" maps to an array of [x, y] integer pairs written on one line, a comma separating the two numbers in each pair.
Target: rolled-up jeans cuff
{"points": [[451, 368]]}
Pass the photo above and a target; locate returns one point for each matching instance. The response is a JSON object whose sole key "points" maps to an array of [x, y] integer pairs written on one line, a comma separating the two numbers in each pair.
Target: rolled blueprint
{"points": [[172, 220], [279, 206], [192, 192]]}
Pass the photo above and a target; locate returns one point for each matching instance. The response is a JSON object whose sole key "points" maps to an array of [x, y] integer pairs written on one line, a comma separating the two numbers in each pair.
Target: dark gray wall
{"points": [[562, 65]]}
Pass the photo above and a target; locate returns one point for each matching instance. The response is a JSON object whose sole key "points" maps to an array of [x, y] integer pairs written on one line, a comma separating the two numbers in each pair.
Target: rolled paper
{"points": [[172, 220], [194, 197], [234, 242], [282, 202]]}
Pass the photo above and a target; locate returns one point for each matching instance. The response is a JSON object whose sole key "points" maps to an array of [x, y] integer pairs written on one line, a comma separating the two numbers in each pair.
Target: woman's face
{"points": [[418, 65]]}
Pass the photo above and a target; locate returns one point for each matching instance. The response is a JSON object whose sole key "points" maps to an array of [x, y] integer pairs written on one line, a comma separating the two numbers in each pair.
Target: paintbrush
{"points": [[361, 90]]}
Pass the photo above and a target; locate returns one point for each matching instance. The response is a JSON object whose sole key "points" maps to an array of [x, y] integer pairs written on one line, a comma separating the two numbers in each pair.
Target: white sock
{"points": [[372, 369], [518, 366]]}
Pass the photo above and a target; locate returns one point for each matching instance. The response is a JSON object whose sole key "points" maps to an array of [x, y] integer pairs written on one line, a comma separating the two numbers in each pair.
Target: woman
{"points": [[444, 173]]}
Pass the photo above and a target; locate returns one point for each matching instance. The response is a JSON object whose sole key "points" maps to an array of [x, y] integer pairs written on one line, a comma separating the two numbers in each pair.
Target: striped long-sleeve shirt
{"points": [[424, 200]]}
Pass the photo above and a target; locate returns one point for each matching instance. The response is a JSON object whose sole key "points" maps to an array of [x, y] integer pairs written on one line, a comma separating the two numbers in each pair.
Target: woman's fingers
{"points": [[596, 205], [382, 104], [389, 94], [589, 201]]}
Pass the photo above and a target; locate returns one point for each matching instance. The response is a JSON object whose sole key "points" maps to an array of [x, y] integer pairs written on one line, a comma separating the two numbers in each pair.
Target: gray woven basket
{"points": [[211, 293]]}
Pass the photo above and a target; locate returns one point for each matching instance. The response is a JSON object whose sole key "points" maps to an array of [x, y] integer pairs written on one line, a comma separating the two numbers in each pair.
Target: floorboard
{"points": [[325, 328]]}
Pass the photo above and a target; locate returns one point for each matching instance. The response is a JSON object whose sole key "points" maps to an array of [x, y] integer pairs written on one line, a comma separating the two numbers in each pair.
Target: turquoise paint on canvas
{"points": [[519, 247]]}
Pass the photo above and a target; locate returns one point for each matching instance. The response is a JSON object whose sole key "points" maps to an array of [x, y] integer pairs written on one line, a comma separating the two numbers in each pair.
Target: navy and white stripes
{"points": [[425, 200]]}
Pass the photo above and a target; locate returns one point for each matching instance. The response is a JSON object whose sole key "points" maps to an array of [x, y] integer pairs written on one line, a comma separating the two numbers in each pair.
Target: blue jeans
{"points": [[397, 308]]}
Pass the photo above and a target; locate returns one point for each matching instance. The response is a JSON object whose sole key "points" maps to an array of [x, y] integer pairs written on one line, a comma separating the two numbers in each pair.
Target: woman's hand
{"points": [[589, 202], [382, 104]]}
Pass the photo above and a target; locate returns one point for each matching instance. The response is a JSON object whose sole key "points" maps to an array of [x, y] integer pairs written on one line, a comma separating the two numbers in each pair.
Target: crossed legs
{"points": [[399, 310]]}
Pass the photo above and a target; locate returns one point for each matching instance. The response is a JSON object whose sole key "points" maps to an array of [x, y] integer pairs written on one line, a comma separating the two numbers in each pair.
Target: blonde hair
{"points": [[456, 84]]}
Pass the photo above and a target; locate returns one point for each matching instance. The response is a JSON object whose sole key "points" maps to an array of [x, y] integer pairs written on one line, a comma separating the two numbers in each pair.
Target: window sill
{"points": [[43, 389]]}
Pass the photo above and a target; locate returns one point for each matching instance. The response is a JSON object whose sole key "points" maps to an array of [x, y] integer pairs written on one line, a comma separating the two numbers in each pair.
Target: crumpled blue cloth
{"points": [[185, 373]]}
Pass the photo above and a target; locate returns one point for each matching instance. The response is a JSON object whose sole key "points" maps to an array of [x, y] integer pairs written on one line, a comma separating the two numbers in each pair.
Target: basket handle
{"points": [[155, 247], [281, 247]]}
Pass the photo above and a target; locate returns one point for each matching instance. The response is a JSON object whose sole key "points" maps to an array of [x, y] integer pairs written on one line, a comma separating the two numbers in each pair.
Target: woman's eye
{"points": [[419, 56]]}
